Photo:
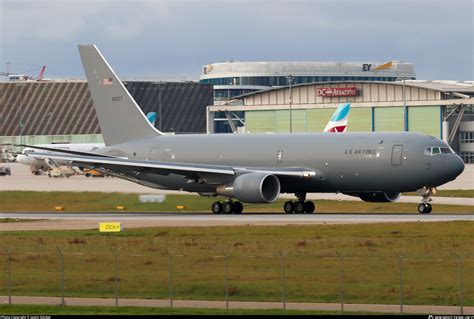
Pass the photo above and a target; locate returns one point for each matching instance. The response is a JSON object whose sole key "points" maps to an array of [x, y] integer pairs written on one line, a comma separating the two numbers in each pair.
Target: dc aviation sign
{"points": [[349, 91]]}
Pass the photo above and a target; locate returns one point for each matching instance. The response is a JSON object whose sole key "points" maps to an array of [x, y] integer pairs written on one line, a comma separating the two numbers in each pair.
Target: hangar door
{"points": [[317, 119], [260, 121], [282, 121], [360, 119], [425, 119], [387, 119]]}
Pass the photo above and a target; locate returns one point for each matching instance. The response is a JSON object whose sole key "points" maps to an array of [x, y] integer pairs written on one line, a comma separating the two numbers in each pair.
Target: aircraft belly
{"points": [[366, 175]]}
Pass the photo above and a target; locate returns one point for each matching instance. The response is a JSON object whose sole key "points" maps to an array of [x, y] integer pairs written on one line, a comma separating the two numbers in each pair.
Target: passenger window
{"points": [[435, 150]]}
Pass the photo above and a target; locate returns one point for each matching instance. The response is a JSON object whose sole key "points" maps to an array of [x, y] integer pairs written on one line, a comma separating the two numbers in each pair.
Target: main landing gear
{"points": [[425, 207], [227, 207], [300, 206]]}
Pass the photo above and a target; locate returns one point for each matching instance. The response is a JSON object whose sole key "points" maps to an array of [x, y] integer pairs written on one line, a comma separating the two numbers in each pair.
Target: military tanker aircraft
{"points": [[256, 168]]}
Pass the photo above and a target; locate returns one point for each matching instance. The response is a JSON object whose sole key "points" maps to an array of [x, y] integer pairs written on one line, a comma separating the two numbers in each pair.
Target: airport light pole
{"points": [[159, 108], [61, 258], [290, 79], [405, 110], [9, 271]]}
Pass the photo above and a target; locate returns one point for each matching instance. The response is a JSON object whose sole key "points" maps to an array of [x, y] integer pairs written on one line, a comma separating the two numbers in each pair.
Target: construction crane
{"points": [[23, 77], [40, 75]]}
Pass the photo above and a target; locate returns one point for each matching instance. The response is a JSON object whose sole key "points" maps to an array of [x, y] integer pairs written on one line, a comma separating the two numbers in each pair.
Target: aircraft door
{"points": [[397, 151]]}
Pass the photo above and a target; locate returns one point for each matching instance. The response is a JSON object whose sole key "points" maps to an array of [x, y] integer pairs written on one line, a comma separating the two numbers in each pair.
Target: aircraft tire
{"points": [[429, 208], [424, 208], [309, 207], [421, 208], [289, 207], [228, 207], [217, 207], [299, 207], [238, 208]]}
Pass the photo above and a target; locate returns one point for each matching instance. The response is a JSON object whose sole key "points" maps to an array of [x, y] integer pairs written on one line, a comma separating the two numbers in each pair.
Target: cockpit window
{"points": [[435, 150]]}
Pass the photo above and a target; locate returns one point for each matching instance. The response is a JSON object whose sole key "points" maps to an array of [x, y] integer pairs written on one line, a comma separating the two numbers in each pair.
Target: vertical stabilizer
{"points": [[120, 117], [151, 116], [339, 120]]}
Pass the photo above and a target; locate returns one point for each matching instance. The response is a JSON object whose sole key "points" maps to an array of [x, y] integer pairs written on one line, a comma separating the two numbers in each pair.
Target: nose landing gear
{"points": [[425, 207]]}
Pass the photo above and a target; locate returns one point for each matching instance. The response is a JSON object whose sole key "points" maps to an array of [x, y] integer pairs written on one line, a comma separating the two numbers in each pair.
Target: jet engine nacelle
{"points": [[379, 197], [252, 188]]}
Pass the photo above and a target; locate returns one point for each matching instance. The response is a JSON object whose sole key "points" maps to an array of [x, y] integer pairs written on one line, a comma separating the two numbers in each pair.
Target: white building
{"points": [[444, 109], [231, 79]]}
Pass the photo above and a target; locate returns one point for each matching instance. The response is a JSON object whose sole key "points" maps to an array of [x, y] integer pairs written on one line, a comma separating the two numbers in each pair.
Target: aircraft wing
{"points": [[62, 150], [190, 170]]}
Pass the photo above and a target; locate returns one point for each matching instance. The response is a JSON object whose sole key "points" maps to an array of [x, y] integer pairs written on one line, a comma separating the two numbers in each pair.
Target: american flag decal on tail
{"points": [[107, 81]]}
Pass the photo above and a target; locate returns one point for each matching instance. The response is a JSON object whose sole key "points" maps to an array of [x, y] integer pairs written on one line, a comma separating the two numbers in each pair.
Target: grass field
{"points": [[74, 310], [11, 201], [370, 267]]}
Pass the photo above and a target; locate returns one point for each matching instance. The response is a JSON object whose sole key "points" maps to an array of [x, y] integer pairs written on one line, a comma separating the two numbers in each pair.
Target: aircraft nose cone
{"points": [[457, 166], [23, 159]]}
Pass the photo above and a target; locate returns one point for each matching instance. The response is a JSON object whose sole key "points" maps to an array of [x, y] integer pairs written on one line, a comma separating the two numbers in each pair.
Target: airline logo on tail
{"points": [[339, 120], [151, 116]]}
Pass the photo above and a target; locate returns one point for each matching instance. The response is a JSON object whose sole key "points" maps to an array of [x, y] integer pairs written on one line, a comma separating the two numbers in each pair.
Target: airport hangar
{"points": [[61, 111], [439, 108], [444, 109], [233, 78]]}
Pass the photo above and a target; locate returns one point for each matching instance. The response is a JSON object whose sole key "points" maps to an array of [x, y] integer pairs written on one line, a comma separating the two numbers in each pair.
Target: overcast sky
{"points": [[176, 38]]}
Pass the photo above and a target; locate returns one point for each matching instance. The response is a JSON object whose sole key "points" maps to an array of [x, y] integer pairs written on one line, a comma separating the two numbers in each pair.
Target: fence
{"points": [[280, 276]]}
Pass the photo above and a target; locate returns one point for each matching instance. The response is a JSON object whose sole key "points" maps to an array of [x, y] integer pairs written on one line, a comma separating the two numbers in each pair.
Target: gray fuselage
{"points": [[343, 162]]}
